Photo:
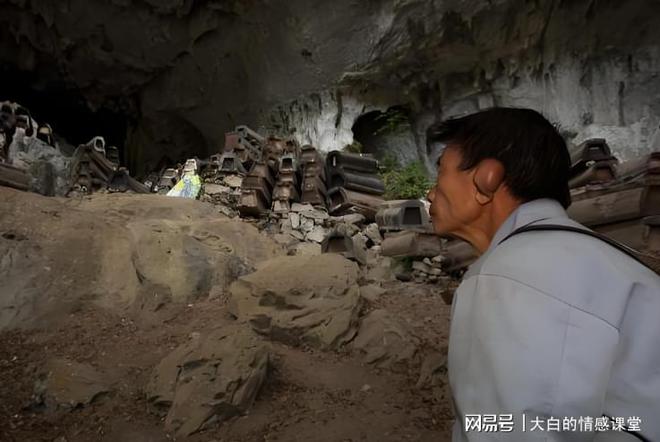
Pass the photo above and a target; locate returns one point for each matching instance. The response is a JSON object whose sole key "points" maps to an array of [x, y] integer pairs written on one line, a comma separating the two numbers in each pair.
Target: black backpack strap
{"points": [[558, 227]]}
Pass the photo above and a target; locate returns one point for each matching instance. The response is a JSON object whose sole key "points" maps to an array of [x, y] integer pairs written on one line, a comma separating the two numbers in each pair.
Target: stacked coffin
{"points": [[626, 208], [287, 185], [354, 184], [314, 189], [245, 143], [592, 162], [93, 170], [257, 190]]}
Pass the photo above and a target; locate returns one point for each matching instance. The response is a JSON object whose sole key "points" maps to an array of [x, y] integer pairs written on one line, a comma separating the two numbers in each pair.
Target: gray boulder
{"points": [[209, 379], [296, 299]]}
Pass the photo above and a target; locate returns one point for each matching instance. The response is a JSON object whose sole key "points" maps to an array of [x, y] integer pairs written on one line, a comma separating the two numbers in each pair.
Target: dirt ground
{"points": [[309, 395]]}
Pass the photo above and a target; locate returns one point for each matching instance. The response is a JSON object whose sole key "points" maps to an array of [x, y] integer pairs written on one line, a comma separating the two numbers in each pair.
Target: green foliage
{"points": [[409, 182], [393, 121], [354, 147]]}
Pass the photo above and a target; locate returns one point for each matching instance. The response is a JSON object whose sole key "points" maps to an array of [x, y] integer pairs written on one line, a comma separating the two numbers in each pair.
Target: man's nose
{"points": [[431, 194]]}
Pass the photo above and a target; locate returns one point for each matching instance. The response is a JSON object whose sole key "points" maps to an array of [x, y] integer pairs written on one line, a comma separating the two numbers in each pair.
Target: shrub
{"points": [[393, 121], [409, 182]]}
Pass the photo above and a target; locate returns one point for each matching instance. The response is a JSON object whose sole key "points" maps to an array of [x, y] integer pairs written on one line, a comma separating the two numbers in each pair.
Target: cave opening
{"points": [[386, 134], [65, 109]]}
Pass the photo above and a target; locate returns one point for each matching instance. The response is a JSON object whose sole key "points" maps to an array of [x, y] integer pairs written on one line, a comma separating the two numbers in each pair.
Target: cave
{"points": [[264, 292], [64, 108], [386, 134]]}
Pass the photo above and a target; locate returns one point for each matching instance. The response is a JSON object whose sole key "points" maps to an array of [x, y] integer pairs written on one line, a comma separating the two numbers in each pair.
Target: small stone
{"points": [[233, 180], [421, 266], [438, 259], [351, 218], [436, 272], [427, 262], [294, 218], [365, 388], [315, 214], [373, 233], [307, 249], [297, 235], [286, 225], [318, 234], [306, 225], [213, 189], [297, 207]]}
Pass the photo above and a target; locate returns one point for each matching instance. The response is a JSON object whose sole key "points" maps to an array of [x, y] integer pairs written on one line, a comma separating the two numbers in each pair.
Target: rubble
{"points": [[209, 379], [300, 299]]}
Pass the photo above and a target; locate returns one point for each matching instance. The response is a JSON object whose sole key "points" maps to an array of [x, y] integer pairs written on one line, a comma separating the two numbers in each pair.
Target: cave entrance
{"points": [[65, 109], [387, 134]]}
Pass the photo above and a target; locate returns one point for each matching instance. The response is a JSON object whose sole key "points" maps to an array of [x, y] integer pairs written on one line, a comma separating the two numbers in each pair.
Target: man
{"points": [[551, 330]]}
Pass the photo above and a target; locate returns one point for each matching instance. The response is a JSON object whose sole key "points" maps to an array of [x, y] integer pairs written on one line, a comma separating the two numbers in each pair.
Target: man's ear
{"points": [[488, 177]]}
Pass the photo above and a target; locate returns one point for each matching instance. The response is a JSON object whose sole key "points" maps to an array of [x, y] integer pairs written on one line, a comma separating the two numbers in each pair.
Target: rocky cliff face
{"points": [[185, 71]]}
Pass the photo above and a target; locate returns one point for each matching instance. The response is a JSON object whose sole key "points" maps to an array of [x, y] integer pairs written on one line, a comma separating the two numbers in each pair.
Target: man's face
{"points": [[453, 206]]}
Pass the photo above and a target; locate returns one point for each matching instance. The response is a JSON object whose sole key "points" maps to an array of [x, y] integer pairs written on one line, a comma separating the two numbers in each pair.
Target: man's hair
{"points": [[535, 157]]}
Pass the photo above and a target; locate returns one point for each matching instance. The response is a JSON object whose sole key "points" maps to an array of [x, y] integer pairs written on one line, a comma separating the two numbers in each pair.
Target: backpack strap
{"points": [[634, 254], [617, 245]]}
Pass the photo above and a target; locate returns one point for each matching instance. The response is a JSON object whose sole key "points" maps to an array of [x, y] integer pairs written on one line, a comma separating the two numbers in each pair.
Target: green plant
{"points": [[409, 182], [354, 147], [393, 120]]}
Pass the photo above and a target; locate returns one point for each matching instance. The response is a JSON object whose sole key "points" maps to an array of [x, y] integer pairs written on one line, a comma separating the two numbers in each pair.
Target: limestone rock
{"points": [[213, 189], [69, 384], [306, 224], [307, 249], [294, 218], [315, 214], [384, 340], [297, 235], [233, 181], [295, 299], [434, 367], [209, 379], [297, 207], [371, 292], [316, 235], [373, 233], [351, 218]]}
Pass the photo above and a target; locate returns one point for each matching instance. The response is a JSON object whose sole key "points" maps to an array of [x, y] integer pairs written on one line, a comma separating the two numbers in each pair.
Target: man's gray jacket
{"points": [[553, 326]]}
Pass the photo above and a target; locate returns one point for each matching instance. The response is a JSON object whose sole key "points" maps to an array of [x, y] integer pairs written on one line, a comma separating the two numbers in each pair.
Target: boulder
{"points": [[371, 292], [384, 340], [69, 384], [300, 299], [209, 379], [433, 371], [307, 249]]}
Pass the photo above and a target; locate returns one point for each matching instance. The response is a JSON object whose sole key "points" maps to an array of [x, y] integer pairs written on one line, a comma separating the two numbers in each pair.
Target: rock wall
{"points": [[313, 69]]}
